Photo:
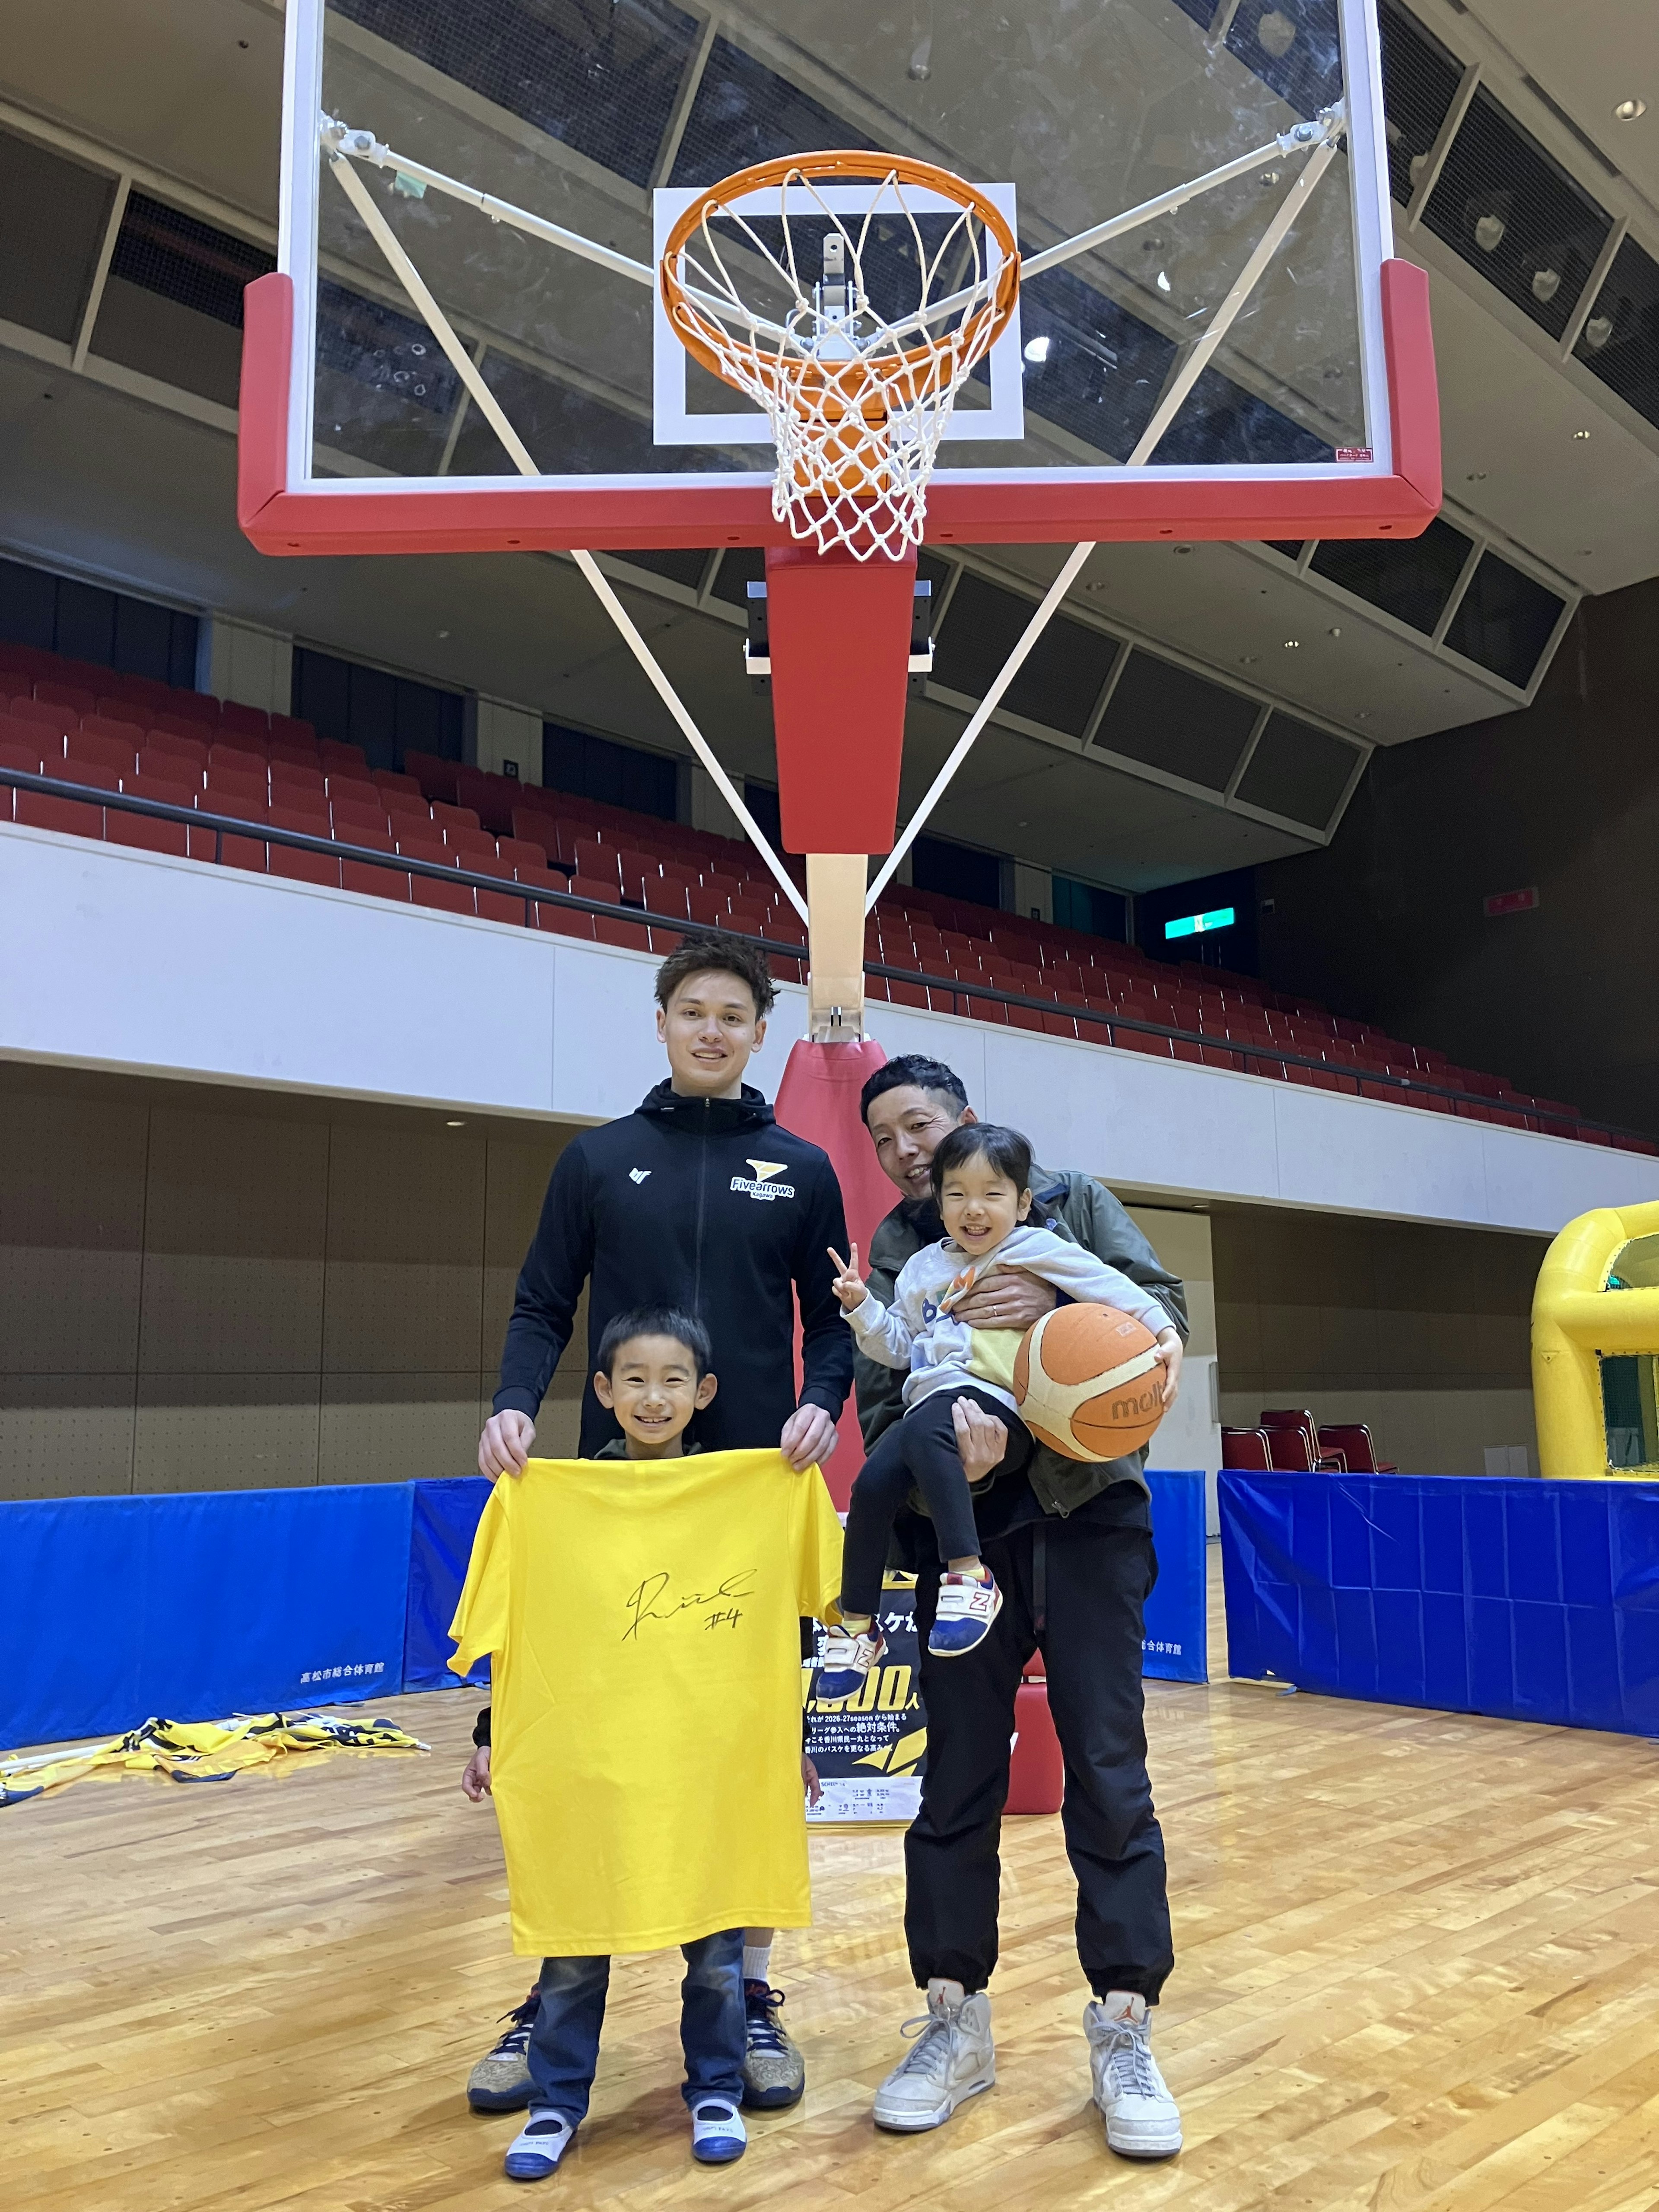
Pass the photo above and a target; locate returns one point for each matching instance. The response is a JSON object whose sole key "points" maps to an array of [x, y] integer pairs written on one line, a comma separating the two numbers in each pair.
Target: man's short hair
{"points": [[704, 949], [915, 1071], [654, 1321]]}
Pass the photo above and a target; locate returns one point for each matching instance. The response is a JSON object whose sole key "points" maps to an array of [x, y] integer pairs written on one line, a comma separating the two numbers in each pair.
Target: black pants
{"points": [[1076, 1593], [920, 1451]]}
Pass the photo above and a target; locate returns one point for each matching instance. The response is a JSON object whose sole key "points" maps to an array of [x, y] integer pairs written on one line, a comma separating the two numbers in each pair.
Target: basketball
{"points": [[1088, 1381]]}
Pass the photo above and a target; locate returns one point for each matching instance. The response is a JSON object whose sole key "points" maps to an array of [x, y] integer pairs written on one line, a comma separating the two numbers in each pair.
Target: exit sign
{"points": [[1509, 902], [1199, 924]]}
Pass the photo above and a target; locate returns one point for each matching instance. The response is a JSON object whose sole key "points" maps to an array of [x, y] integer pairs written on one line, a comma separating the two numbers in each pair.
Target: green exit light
{"points": [[1201, 925]]}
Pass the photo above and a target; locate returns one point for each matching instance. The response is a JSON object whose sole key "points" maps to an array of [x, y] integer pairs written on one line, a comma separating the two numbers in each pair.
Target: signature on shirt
{"points": [[653, 1601]]}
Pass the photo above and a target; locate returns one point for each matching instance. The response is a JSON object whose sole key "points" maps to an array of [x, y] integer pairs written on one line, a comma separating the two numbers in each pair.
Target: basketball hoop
{"points": [[873, 327]]}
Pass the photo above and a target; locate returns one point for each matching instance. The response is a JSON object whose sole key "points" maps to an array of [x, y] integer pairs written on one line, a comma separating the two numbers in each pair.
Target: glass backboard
{"points": [[1239, 361]]}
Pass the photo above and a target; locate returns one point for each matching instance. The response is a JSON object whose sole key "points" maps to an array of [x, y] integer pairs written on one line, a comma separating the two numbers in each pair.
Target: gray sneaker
{"points": [[951, 2060], [1142, 2119], [774, 2071], [499, 2082]]}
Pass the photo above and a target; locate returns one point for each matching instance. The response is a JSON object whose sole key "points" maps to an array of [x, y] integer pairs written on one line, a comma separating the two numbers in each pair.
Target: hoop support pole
{"points": [[835, 937]]}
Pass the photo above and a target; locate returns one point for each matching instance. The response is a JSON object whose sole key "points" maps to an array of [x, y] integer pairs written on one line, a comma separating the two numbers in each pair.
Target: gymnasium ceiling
{"points": [[120, 474]]}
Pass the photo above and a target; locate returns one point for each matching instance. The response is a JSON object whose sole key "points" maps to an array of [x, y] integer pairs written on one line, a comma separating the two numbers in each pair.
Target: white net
{"points": [[853, 337]]}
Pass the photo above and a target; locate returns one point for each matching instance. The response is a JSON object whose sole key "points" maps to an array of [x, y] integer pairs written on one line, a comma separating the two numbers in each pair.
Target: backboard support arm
{"points": [[490, 407]]}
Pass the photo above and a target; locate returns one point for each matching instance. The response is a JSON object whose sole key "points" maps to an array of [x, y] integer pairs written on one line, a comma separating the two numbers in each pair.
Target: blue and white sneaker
{"points": [[847, 1658], [968, 1604], [718, 2134], [536, 2150]]}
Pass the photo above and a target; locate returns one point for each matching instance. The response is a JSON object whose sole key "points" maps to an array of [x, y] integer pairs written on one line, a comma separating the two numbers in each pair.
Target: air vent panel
{"points": [[1619, 342], [1510, 212], [1411, 580], [1419, 82], [56, 215], [1171, 719], [1504, 620], [1297, 771]]}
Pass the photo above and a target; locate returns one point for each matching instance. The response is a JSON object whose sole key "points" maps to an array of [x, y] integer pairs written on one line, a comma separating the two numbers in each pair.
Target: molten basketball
{"points": [[1088, 1381]]}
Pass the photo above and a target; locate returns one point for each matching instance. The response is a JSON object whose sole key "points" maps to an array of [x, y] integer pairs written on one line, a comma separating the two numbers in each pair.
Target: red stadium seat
{"points": [[79, 702], [38, 810]]}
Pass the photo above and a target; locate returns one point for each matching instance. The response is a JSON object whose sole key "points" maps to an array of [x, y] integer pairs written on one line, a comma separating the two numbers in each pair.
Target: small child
{"points": [[982, 1177], [653, 1374]]}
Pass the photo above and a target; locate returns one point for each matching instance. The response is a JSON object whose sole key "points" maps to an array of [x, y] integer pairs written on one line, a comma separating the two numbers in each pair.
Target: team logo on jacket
{"points": [[761, 1185], [638, 1174]]}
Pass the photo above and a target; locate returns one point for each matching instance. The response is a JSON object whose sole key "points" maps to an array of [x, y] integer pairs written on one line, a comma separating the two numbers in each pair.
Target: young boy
{"points": [[653, 1375], [981, 1182]]}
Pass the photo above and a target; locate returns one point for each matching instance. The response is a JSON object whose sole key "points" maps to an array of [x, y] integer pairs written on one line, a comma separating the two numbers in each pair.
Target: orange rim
{"points": [[849, 166]]}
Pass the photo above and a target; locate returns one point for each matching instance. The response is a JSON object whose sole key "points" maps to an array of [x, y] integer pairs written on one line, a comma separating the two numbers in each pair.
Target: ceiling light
{"points": [[1184, 548], [1475, 476], [454, 1125], [1579, 436], [1628, 110], [1336, 631], [1291, 643], [1364, 715], [1488, 232], [1037, 349], [1162, 281], [1270, 176], [1245, 659], [1545, 283], [1597, 332]]}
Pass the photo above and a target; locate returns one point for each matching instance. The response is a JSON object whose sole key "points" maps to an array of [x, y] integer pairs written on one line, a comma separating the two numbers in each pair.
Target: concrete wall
{"points": [[1421, 1331], [1387, 923], [208, 1289]]}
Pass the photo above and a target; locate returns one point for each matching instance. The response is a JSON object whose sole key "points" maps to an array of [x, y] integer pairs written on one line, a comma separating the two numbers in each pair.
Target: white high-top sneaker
{"points": [[952, 2059], [1142, 2119]]}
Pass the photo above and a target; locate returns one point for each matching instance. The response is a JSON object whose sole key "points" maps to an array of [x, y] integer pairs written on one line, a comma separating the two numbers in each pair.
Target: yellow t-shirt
{"points": [[643, 1617]]}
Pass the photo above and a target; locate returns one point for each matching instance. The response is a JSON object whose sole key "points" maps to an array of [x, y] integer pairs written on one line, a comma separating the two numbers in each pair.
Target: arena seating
{"points": [[106, 732]]}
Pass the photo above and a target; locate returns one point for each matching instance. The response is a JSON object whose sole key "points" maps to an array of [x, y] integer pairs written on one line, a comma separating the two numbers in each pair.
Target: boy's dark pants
{"points": [[564, 2043], [1088, 1585]]}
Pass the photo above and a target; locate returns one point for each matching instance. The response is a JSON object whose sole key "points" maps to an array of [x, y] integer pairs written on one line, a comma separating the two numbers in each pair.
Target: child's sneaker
{"points": [[718, 2135], [847, 1658], [536, 2150], [499, 2082], [968, 1604]]}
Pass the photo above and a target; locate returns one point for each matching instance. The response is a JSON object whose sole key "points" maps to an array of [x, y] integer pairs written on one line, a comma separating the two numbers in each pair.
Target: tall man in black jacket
{"points": [[1071, 1544], [697, 1201]]}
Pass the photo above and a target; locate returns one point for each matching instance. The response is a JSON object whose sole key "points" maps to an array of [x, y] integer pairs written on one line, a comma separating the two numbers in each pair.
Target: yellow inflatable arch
{"points": [[1595, 1346]]}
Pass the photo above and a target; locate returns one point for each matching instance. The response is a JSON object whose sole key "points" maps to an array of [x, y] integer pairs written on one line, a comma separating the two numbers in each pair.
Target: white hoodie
{"points": [[920, 1331]]}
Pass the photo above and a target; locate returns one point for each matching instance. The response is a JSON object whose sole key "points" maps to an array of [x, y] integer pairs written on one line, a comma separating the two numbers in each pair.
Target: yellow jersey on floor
{"points": [[643, 1621]]}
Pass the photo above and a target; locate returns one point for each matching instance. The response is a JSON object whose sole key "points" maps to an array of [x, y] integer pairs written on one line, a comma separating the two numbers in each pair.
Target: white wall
{"points": [[242, 661], [111, 958], [504, 732]]}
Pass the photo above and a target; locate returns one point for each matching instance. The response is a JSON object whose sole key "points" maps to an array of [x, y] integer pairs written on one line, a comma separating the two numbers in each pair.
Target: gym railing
{"points": [[1352, 1082]]}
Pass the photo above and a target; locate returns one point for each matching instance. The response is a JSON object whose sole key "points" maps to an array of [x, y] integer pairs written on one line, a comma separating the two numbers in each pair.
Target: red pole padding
{"points": [[838, 631], [1037, 1770], [818, 1099]]}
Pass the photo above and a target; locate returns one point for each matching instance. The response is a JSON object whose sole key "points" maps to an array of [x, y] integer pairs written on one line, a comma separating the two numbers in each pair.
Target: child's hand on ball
{"points": [[850, 1286]]}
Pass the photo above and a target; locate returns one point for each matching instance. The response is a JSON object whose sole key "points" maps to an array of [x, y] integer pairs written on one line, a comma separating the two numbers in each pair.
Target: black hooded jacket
{"points": [[707, 1205]]}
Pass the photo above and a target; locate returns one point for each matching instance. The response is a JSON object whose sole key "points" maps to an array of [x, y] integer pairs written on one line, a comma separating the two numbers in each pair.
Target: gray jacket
{"points": [[1074, 1206]]}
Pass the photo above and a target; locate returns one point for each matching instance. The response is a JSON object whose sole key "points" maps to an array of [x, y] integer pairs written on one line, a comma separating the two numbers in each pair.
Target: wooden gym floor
{"points": [[1416, 1969]]}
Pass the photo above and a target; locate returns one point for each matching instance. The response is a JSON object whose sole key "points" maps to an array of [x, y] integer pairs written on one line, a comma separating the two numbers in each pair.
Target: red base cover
{"points": [[435, 518], [1037, 1771]]}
